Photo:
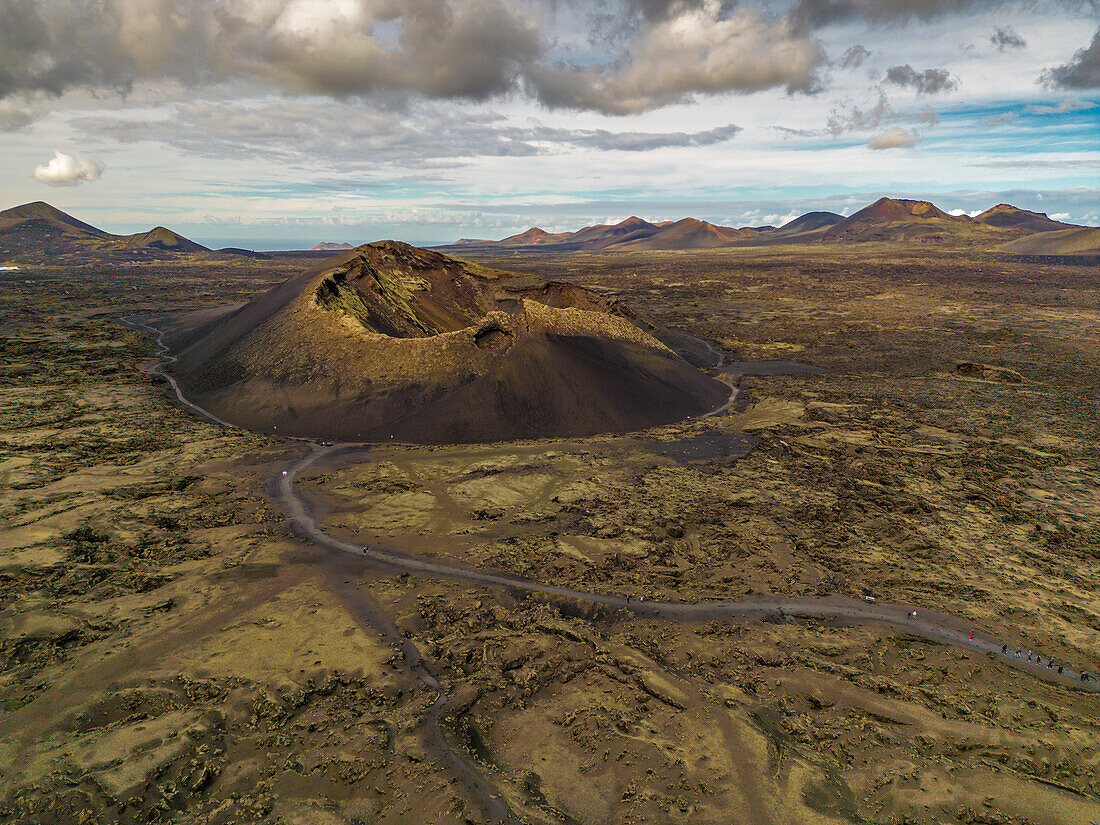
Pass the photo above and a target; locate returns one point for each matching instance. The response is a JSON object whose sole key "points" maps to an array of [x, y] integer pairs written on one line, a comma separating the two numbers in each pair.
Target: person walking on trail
{"points": [[971, 635], [912, 614], [1004, 649]]}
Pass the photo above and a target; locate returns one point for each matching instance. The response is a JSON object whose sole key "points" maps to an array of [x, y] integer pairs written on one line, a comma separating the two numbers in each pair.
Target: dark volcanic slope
{"points": [[1006, 216], [1081, 241], [390, 340], [809, 222], [39, 233], [34, 231], [162, 238], [889, 219], [688, 233]]}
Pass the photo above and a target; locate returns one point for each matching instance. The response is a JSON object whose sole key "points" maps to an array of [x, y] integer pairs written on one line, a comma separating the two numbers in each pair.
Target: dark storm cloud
{"points": [[443, 49], [14, 117], [1082, 72], [358, 137], [1006, 37], [928, 82]]}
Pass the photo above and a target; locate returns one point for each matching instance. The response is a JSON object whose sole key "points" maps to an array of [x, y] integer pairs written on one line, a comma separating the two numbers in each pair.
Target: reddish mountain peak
{"points": [[533, 235], [895, 209]]}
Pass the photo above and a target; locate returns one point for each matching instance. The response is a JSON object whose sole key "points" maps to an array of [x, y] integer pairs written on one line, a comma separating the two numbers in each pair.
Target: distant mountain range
{"points": [[887, 219], [39, 233]]}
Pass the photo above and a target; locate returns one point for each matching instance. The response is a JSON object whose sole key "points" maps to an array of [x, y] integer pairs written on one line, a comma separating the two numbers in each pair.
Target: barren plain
{"points": [[172, 652]]}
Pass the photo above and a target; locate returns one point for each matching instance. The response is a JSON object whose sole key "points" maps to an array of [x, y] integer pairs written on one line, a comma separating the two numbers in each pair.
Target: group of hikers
{"points": [[1033, 658], [1038, 660]]}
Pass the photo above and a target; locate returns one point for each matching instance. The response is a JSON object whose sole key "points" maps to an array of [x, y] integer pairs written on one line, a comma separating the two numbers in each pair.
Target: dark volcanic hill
{"points": [[1006, 216], [595, 238], [688, 233], [532, 237], [35, 231], [890, 219], [39, 233], [390, 340], [162, 238], [810, 222], [805, 229]]}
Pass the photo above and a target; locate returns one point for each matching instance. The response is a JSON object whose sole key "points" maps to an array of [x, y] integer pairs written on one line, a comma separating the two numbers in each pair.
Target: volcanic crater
{"points": [[390, 341]]}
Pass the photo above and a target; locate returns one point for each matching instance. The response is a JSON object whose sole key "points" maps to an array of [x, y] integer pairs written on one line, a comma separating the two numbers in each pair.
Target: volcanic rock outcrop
{"points": [[393, 341]]}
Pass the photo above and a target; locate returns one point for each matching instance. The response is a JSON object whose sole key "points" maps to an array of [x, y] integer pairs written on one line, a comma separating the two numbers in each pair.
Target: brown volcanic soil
{"points": [[170, 653], [390, 341]]}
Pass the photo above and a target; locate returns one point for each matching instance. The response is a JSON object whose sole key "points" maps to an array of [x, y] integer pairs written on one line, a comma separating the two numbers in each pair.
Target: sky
{"points": [[281, 123]]}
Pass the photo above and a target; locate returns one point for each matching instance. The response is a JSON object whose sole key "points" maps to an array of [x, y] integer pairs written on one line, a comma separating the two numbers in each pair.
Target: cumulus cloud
{"points": [[928, 82], [1004, 38], [700, 50], [896, 138], [67, 170], [442, 49], [1082, 72]]}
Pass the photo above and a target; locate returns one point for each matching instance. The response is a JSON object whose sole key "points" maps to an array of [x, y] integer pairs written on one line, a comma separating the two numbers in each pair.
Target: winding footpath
{"points": [[935, 627]]}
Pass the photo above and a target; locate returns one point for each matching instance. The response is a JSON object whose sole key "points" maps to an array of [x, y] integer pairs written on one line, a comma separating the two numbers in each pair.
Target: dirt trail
{"points": [[930, 625]]}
